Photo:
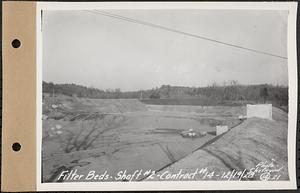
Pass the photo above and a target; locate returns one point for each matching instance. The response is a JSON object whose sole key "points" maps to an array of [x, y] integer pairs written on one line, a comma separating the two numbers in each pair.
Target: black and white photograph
{"points": [[139, 95]]}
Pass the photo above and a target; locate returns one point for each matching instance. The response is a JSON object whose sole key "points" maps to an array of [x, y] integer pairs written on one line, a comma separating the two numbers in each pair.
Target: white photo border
{"points": [[176, 185]]}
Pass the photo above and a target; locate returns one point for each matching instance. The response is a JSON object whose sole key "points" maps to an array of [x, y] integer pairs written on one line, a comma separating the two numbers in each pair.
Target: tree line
{"points": [[231, 91]]}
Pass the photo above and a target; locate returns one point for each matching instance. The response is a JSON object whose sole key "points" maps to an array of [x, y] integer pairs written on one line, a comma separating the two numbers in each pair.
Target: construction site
{"points": [[144, 95], [113, 135]]}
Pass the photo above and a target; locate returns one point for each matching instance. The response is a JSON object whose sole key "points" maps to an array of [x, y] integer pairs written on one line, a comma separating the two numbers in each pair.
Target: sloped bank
{"points": [[254, 150]]}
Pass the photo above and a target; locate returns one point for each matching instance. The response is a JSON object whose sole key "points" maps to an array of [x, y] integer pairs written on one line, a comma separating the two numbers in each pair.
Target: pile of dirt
{"points": [[256, 144]]}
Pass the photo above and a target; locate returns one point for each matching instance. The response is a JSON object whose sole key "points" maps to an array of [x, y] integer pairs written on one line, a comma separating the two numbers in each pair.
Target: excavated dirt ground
{"points": [[109, 136]]}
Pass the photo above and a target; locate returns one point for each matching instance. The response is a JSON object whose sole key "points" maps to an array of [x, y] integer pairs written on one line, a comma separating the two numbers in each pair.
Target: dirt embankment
{"points": [[65, 107], [227, 111], [243, 147]]}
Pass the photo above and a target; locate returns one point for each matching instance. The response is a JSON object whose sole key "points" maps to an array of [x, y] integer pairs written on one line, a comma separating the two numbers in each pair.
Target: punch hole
{"points": [[16, 43], [16, 146]]}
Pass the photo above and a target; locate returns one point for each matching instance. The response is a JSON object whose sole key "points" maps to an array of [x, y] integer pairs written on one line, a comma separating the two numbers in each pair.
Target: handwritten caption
{"points": [[264, 171]]}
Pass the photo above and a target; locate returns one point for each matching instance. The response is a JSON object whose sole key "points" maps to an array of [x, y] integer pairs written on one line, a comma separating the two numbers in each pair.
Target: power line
{"points": [[108, 14]]}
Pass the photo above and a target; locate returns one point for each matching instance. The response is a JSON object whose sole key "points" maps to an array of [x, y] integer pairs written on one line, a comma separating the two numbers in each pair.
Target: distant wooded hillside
{"points": [[231, 91]]}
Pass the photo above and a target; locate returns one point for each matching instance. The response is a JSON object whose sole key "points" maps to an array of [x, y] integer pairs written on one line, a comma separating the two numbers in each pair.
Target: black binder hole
{"points": [[16, 43], [16, 146]]}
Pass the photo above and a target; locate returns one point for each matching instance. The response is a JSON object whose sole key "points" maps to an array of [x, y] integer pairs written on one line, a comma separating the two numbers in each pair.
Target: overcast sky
{"points": [[94, 50]]}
